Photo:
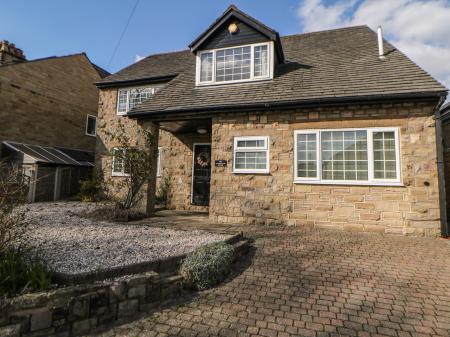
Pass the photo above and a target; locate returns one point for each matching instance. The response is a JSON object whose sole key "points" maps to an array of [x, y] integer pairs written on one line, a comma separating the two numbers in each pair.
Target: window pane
{"points": [[233, 64], [307, 155], [138, 95], [91, 125], [261, 61], [251, 160], [118, 161], [344, 155], [251, 143], [206, 61], [384, 155], [122, 101]]}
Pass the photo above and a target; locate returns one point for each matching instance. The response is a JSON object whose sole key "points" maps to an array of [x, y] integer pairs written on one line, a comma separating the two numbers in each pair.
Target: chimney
{"points": [[380, 44], [9, 53]]}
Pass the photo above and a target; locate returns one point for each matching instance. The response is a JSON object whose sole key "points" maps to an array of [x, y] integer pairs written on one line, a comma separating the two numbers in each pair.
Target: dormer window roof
{"points": [[236, 48]]}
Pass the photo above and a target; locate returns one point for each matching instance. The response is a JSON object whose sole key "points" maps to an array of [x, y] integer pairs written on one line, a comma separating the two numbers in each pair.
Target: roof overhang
{"points": [[233, 11], [137, 81], [198, 112]]}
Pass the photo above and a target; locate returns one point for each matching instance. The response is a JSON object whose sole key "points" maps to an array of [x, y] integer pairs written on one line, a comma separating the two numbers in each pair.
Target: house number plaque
{"points": [[221, 163]]}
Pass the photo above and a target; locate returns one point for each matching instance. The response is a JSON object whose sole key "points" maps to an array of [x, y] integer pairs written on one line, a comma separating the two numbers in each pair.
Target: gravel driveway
{"points": [[70, 243]]}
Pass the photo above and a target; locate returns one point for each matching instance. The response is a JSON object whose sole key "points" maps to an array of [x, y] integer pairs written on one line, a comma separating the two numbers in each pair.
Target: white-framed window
{"points": [[366, 156], [91, 125], [236, 64], [158, 163], [251, 154], [128, 98], [119, 168]]}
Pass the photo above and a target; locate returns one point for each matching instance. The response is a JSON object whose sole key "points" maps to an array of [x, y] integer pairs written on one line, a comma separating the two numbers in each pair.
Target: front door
{"points": [[201, 174]]}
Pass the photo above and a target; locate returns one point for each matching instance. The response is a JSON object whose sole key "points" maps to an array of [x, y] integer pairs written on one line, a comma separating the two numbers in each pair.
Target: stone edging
{"points": [[81, 309], [166, 265]]}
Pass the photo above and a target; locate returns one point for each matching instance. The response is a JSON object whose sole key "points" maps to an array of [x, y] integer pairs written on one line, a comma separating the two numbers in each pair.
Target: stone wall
{"points": [[80, 310], [176, 152], [274, 198], [446, 136], [176, 163], [46, 102]]}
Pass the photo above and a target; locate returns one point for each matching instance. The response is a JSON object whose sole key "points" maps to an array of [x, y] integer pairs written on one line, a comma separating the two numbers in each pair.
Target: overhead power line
{"points": [[123, 32]]}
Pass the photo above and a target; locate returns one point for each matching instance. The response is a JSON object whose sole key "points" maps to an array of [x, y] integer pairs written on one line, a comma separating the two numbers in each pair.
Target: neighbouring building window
{"points": [[251, 155], [118, 163], [238, 64], [348, 156], [91, 125], [128, 98]]}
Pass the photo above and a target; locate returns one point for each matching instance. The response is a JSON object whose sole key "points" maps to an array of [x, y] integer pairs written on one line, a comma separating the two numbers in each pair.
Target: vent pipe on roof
{"points": [[380, 44]]}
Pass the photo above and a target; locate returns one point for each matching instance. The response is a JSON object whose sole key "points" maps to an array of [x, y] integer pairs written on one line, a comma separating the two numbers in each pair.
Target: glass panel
{"points": [[91, 125], [251, 143], [122, 101], [118, 161], [306, 155], [261, 61], [233, 64], [344, 155], [251, 160], [384, 155], [206, 64], [138, 95]]}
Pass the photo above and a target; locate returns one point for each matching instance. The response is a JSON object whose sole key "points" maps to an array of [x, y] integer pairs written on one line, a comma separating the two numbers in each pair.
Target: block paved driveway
{"points": [[304, 282]]}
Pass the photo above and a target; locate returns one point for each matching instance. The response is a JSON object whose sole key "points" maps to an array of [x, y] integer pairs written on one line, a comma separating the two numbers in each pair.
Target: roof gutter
{"points": [[281, 105], [445, 229], [115, 84]]}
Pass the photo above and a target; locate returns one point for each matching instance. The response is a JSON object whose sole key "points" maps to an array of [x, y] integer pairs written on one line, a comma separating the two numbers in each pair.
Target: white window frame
{"points": [[117, 173], [128, 89], [87, 124], [158, 163], [251, 149], [371, 179], [123, 174], [252, 78]]}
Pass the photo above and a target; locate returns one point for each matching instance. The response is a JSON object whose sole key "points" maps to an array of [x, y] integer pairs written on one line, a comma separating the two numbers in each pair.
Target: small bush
{"points": [[19, 273], [162, 194], [89, 189], [207, 265]]}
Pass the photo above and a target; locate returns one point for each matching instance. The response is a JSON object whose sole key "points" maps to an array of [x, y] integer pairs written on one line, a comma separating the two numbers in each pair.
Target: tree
{"points": [[135, 158], [13, 193]]}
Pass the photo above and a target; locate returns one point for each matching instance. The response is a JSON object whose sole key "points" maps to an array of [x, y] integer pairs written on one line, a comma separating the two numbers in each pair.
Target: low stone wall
{"points": [[77, 310]]}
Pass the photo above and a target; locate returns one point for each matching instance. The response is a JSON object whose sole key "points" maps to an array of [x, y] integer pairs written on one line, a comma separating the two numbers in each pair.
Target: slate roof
{"points": [[340, 63]]}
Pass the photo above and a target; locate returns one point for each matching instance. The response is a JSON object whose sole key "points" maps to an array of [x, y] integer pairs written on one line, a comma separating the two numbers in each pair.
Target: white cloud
{"points": [[419, 28], [138, 58]]}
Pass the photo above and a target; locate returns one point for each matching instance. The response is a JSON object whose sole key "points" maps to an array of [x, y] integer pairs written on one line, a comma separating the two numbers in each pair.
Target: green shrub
{"points": [[19, 273], [207, 265], [162, 194], [89, 189]]}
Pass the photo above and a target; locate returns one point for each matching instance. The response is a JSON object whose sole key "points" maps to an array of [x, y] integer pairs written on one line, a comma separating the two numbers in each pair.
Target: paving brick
{"points": [[397, 286]]}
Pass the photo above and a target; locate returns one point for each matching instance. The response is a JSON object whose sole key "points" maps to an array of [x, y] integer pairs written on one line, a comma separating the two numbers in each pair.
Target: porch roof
{"points": [[53, 155]]}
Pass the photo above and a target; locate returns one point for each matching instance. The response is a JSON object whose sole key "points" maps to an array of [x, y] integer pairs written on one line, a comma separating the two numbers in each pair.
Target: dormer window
{"points": [[128, 98], [233, 65]]}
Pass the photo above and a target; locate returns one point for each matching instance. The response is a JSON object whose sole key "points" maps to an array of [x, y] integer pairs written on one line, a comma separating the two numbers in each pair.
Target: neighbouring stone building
{"points": [[49, 109], [326, 129]]}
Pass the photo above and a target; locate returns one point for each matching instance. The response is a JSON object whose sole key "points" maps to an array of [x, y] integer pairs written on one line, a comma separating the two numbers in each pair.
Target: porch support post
{"points": [[153, 130]]}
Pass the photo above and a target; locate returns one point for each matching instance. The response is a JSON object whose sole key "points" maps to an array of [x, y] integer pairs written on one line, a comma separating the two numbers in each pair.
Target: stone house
{"points": [[332, 129], [49, 110], [445, 120]]}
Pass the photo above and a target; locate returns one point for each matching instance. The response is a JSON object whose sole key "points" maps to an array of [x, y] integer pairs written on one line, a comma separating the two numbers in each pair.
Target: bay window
{"points": [[347, 156], [237, 64], [251, 155]]}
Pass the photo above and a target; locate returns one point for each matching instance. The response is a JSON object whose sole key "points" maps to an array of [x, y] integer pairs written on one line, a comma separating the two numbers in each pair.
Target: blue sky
{"points": [[420, 28], [50, 27]]}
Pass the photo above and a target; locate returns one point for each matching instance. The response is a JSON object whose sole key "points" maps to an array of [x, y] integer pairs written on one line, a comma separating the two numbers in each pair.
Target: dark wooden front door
{"points": [[201, 174]]}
